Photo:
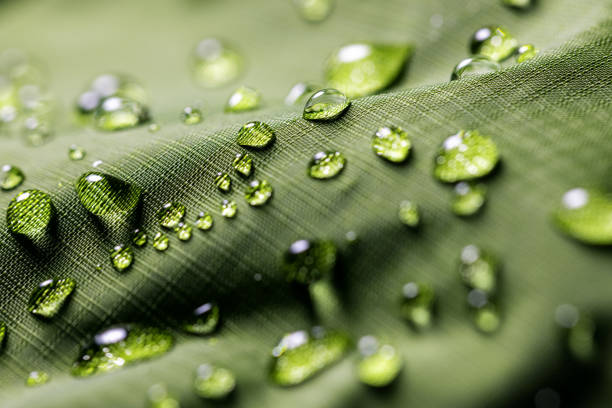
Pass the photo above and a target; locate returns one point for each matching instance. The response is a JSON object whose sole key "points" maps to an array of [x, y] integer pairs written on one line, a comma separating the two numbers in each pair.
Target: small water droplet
{"points": [[159, 397], [465, 156], [203, 320], [579, 332], [171, 214], [183, 231], [49, 297], [255, 134], [107, 196], [10, 177], [326, 104], [215, 63], [418, 304], [122, 257], [409, 214], [474, 66], [121, 345], [309, 261], [3, 332], [116, 113], [223, 182], [325, 165], [478, 269], [380, 364], [36, 378], [469, 198], [213, 382], [314, 11], [526, 52], [243, 99], [493, 42], [258, 193], [29, 213], [76, 152], [299, 92], [391, 143], [139, 238], [487, 318], [586, 215], [362, 69], [154, 127], [161, 241], [191, 115], [243, 164], [204, 221], [228, 209], [519, 4]]}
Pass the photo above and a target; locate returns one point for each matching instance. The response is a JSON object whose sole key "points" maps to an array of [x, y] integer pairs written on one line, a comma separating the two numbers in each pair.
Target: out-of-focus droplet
{"points": [[159, 397], [418, 301], [243, 99], [36, 378], [116, 113], [326, 165], [299, 92], [308, 261], [191, 115], [526, 52], [314, 11], [215, 64], [469, 198], [213, 382], [586, 215], [409, 214], [202, 320], [479, 269], [76, 153], [11, 177], [380, 364], [258, 193], [493, 42]]}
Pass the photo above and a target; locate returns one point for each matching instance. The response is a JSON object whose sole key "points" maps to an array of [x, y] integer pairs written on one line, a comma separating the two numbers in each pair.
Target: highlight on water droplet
{"points": [[29, 213], [159, 397], [223, 182], [243, 164], [36, 378], [299, 92], [243, 99], [76, 153], [307, 261], [161, 241], [326, 104], [585, 214], [11, 177], [493, 42], [474, 66], [314, 11], [466, 155], [215, 64], [191, 115], [418, 303], [203, 320], [204, 221], [122, 257], [326, 165], [526, 52], [228, 209], [391, 143], [171, 214], [468, 198], [183, 231], [409, 214], [139, 238], [107, 196], [50, 296], [578, 332], [258, 193], [479, 269], [255, 134], [214, 383], [380, 364]]}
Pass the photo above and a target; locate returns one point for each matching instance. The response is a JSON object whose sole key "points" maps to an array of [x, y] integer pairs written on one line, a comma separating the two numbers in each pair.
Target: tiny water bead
{"points": [[122, 257], [243, 99], [161, 241], [256, 135], [478, 269], [519, 4], [418, 302], [326, 104], [391, 143], [11, 177], [29, 213], [191, 115], [203, 320], [493, 42], [314, 11], [139, 238], [171, 214], [243, 164], [474, 66], [361, 69], [469, 198], [107, 196], [326, 165], [526, 52], [159, 397], [299, 92], [215, 63], [258, 193], [183, 231], [466, 155], [409, 214], [309, 261], [586, 215], [380, 364], [154, 127], [300, 355], [213, 382], [579, 331], [49, 297], [36, 378], [116, 113], [204, 221], [223, 182], [228, 209], [76, 153], [121, 345]]}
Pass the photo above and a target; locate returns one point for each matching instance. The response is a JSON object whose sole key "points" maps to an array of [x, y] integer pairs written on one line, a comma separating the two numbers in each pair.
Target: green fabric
{"points": [[549, 118]]}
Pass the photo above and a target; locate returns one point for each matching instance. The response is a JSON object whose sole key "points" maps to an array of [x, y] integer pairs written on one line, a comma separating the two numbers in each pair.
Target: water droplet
{"points": [[183, 231], [309, 261], [314, 11], [586, 215], [191, 115], [526, 52], [203, 320], [243, 164], [258, 193], [139, 238], [171, 214], [325, 165], [255, 134], [418, 303], [487, 318], [204, 221], [223, 182], [579, 331], [116, 113], [121, 345], [300, 355], [76, 152], [2, 333], [299, 92], [519, 4], [243, 99], [29, 213], [159, 397], [465, 156], [213, 382], [228, 209], [478, 269], [107, 196], [493, 42], [161, 241], [469, 198], [49, 297], [36, 378], [474, 66], [215, 64], [326, 104], [10, 177], [380, 364], [391, 143], [122, 257], [362, 69], [409, 213], [154, 127]]}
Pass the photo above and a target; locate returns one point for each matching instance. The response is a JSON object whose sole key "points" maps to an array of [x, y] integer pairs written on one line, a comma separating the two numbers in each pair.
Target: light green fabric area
{"points": [[550, 118]]}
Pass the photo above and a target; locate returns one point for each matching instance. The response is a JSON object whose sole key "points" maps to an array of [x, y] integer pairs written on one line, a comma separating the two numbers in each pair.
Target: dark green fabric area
{"points": [[549, 117]]}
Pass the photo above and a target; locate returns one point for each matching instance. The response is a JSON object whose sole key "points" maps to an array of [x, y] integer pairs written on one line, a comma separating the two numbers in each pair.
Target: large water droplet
{"points": [[308, 261], [116, 113], [204, 221], [258, 193], [478, 269], [325, 165], [474, 66], [191, 115], [122, 257], [223, 182], [215, 64], [243, 99], [228, 209], [183, 231], [299, 92], [380, 363], [526, 52], [203, 320], [300, 355], [465, 156], [326, 104], [76, 153], [243, 164], [493, 42], [579, 332], [469, 198], [409, 214], [159, 397], [10, 177], [49, 297], [122, 345], [314, 11], [161, 241], [107, 196], [36, 378], [391, 143], [213, 382], [361, 69], [418, 303], [139, 238], [255, 134], [586, 215], [171, 214], [29, 213]]}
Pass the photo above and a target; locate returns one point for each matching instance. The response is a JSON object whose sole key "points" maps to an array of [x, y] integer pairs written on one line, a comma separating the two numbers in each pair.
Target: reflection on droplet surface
{"points": [[493, 42], [579, 332], [256, 135], [526, 52], [171, 214], [203, 319], [258, 193], [466, 155], [418, 303], [380, 364], [36, 378], [213, 382], [243, 99], [391, 143], [308, 261], [161, 241], [10, 177], [326, 104], [215, 63], [586, 215], [228, 209], [122, 257], [49, 297], [474, 66], [326, 165], [469, 198], [243, 164]]}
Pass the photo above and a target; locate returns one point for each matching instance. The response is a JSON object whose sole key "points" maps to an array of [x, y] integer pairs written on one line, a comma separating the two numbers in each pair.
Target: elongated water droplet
{"points": [[3, 332], [299, 92], [300, 355], [326, 104], [308, 261], [361, 69], [161, 241], [474, 66], [76, 153], [223, 182], [204, 221], [191, 115], [171, 214], [314, 11], [121, 345], [215, 64], [418, 303], [203, 320], [228, 209], [255, 134], [478, 269], [243, 164], [325, 165], [159, 397], [380, 363], [586, 215], [391, 143], [122, 257], [493, 42], [116, 113], [49, 297], [36, 378], [183, 231], [519, 4], [526, 52], [243, 99], [29, 213], [139, 238], [10, 177], [107, 196], [465, 156], [579, 332], [213, 382], [409, 214], [258, 193], [469, 198]]}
